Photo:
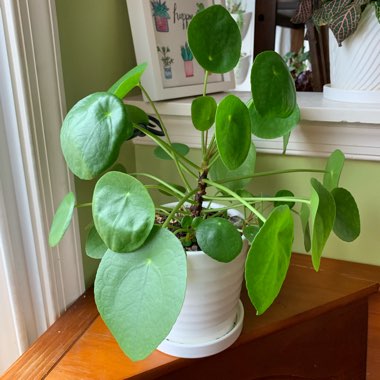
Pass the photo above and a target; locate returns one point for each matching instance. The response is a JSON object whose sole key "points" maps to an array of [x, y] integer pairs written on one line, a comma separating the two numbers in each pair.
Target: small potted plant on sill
{"points": [[167, 270], [187, 57], [166, 60], [354, 40], [161, 15]]}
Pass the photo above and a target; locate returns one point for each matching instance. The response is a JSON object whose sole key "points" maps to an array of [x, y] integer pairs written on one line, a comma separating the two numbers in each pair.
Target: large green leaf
{"points": [[123, 211], [62, 219], [323, 215], [271, 127], [219, 239], [182, 149], [128, 81], [215, 39], [95, 247], [272, 86], [219, 171], [233, 131], [347, 220], [93, 132], [334, 168], [203, 111], [268, 258], [140, 294]]}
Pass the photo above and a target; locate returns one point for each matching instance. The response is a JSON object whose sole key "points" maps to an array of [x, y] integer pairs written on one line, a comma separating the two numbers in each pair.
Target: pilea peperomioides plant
{"points": [[141, 280], [341, 16]]}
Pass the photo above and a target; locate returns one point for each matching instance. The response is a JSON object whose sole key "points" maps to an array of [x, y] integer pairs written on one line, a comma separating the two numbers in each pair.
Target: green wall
{"points": [[97, 48]]}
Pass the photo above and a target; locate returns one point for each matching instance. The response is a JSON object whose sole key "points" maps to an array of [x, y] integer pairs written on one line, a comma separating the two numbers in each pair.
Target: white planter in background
{"points": [[211, 318], [355, 66]]}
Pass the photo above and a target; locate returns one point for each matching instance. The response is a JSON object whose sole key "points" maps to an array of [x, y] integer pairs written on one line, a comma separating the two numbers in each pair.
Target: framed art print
{"points": [[159, 32]]}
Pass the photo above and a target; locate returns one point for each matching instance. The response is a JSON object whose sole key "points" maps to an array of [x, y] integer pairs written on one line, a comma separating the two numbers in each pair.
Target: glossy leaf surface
{"points": [[203, 111], [322, 215], [128, 81], [93, 132], [62, 219], [219, 239], [268, 259], [272, 86], [95, 247], [271, 127], [219, 171], [140, 294], [233, 131], [123, 211], [215, 39], [347, 220], [333, 169]]}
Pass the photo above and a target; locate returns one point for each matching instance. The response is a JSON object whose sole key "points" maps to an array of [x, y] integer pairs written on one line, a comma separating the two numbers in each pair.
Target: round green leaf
{"points": [[233, 131], [272, 86], [95, 247], [186, 221], [203, 111], [128, 81], [219, 171], [268, 258], [215, 40], [284, 193], [177, 147], [271, 127], [347, 220], [219, 239], [93, 132], [62, 219], [334, 169], [137, 115], [123, 211], [139, 295], [323, 215]]}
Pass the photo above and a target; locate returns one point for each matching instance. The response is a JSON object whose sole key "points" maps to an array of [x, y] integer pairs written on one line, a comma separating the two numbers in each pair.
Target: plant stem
{"points": [[262, 199], [237, 197], [179, 168], [83, 205]]}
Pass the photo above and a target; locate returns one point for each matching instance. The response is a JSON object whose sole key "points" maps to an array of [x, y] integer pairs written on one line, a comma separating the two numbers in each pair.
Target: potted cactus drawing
{"points": [[166, 60], [187, 57], [161, 15]]}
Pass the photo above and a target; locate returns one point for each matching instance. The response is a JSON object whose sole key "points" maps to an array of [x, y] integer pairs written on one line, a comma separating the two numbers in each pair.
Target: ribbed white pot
{"points": [[211, 318], [355, 66]]}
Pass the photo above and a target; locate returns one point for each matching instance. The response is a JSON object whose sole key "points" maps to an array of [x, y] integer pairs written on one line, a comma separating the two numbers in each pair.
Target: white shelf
{"points": [[325, 125]]}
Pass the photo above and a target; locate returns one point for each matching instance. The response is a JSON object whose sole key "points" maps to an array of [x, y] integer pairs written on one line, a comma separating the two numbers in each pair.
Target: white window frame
{"points": [[33, 106]]}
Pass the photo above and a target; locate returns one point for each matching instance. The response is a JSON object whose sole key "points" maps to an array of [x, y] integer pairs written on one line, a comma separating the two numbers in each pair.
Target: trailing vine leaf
{"points": [[95, 247], [62, 219], [233, 131], [333, 169], [347, 220], [323, 216], [128, 81], [140, 294], [123, 211], [92, 134], [212, 236], [304, 12], [268, 258], [215, 39]]}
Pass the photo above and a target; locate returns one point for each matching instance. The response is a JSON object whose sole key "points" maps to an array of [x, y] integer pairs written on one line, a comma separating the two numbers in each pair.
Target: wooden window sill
{"points": [[317, 328]]}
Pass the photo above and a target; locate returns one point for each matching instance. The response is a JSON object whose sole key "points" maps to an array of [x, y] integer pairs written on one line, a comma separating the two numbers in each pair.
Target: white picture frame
{"points": [[152, 36]]}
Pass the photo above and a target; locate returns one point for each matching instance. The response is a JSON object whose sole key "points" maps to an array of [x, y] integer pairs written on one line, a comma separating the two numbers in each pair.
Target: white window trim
{"points": [[33, 107]]}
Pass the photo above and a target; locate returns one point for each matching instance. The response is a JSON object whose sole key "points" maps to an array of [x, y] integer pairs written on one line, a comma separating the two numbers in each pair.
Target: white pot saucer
{"points": [[350, 96], [203, 349]]}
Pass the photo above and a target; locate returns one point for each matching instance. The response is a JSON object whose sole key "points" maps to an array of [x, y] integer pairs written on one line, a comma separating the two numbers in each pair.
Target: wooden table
{"points": [[317, 329]]}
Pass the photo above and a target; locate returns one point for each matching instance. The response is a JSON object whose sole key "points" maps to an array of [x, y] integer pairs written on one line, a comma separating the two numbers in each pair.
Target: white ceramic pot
{"points": [[355, 66], [211, 318]]}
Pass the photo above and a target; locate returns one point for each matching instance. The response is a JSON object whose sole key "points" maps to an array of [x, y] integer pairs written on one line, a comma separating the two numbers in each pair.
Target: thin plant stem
{"points": [[81, 205]]}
